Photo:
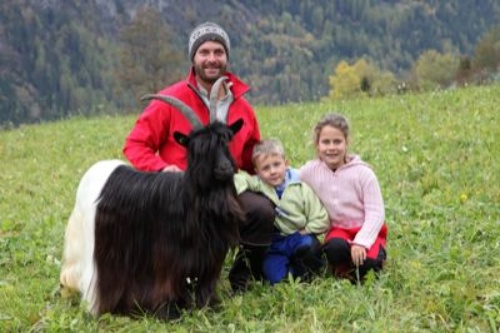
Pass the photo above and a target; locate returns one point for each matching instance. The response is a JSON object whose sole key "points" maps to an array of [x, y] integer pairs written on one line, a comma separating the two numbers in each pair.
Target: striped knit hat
{"points": [[205, 32]]}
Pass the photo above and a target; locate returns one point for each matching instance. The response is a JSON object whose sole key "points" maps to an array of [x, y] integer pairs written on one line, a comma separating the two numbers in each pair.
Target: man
{"points": [[150, 145]]}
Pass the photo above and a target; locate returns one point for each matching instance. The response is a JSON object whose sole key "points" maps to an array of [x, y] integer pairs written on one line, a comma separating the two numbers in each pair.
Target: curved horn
{"points": [[213, 101], [179, 105]]}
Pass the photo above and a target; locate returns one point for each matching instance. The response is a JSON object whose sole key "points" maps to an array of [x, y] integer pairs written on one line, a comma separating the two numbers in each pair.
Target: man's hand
{"points": [[172, 168]]}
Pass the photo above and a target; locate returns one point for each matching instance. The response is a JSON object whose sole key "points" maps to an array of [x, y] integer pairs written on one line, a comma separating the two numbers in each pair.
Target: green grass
{"points": [[436, 157]]}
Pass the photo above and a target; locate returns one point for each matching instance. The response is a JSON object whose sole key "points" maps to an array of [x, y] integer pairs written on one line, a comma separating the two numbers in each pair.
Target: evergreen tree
{"points": [[487, 53], [148, 61]]}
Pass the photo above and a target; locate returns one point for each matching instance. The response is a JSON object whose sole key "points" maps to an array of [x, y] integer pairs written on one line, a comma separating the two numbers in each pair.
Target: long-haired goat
{"points": [[139, 242]]}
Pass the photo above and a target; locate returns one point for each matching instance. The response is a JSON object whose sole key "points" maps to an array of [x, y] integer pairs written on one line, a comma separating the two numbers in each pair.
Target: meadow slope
{"points": [[437, 159]]}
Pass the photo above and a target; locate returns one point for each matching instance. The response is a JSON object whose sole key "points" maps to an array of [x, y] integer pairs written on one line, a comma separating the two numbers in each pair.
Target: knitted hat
{"points": [[205, 32]]}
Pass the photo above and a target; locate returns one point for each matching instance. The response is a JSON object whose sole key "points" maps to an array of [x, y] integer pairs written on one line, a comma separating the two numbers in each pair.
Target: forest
{"points": [[61, 58]]}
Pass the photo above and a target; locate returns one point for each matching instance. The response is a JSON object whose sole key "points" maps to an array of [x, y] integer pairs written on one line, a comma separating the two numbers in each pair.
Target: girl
{"points": [[350, 191]]}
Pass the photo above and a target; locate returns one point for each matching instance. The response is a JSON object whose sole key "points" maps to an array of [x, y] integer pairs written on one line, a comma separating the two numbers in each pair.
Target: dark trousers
{"points": [[338, 254], [255, 233]]}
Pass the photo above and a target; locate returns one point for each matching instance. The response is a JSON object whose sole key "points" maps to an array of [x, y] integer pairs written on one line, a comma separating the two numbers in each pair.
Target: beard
{"points": [[209, 74]]}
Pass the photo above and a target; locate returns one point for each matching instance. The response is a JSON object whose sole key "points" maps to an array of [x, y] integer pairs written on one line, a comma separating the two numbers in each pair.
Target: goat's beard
{"points": [[201, 74]]}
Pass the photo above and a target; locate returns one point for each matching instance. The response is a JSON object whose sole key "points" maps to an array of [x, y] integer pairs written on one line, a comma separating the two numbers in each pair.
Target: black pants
{"points": [[255, 235], [338, 254]]}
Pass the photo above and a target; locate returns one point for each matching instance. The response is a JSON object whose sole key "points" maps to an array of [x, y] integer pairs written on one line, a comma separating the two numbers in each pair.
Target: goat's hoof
{"points": [[66, 292]]}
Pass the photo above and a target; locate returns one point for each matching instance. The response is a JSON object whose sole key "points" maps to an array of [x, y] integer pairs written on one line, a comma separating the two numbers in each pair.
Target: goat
{"points": [[155, 243]]}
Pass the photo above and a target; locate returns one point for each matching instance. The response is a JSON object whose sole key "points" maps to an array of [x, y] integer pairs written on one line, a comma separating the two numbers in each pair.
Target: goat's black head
{"points": [[209, 159]]}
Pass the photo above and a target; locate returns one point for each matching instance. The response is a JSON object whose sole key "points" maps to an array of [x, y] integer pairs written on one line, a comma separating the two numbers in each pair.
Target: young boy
{"points": [[300, 216]]}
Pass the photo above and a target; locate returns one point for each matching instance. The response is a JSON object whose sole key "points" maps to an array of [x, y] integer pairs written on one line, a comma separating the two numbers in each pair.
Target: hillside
{"points": [[437, 159], [59, 57]]}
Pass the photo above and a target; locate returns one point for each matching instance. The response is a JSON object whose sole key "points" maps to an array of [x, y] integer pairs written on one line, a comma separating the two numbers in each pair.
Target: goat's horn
{"points": [[179, 105], [213, 101]]}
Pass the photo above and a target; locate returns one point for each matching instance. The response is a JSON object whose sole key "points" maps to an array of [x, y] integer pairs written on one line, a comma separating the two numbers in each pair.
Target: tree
{"points": [[148, 60], [361, 79], [487, 53], [344, 83], [373, 80], [433, 69]]}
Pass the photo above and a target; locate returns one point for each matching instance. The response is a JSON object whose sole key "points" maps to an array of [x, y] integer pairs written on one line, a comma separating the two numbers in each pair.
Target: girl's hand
{"points": [[358, 255]]}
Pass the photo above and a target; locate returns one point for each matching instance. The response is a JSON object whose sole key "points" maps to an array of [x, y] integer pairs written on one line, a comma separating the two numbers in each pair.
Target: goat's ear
{"points": [[181, 139], [236, 126]]}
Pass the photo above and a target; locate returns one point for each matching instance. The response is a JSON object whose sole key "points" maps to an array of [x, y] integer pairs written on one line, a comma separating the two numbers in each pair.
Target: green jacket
{"points": [[299, 207]]}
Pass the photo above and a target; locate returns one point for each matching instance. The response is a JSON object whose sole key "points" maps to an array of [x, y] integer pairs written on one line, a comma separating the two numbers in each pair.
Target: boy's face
{"points": [[271, 169]]}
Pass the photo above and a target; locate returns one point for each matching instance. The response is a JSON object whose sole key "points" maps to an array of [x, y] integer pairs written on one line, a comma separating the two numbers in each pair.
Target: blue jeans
{"points": [[297, 254]]}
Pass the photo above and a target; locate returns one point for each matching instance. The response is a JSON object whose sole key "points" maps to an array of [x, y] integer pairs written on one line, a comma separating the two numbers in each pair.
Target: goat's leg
{"points": [[205, 295], [169, 310], [72, 257]]}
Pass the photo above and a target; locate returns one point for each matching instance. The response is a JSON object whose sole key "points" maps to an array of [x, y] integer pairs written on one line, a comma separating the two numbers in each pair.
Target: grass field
{"points": [[436, 157]]}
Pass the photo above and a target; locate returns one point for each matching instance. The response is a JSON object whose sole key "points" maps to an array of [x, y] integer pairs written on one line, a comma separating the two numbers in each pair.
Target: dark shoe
{"points": [[307, 262], [343, 271], [239, 275], [247, 267]]}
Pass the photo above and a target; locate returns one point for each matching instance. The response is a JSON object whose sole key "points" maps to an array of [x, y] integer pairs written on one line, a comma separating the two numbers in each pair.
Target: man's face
{"points": [[210, 62]]}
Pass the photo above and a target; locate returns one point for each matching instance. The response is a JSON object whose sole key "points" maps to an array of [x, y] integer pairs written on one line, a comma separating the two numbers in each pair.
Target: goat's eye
{"points": [[226, 137]]}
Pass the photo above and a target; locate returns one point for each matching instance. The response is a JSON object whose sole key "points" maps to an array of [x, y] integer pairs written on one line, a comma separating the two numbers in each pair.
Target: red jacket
{"points": [[150, 146]]}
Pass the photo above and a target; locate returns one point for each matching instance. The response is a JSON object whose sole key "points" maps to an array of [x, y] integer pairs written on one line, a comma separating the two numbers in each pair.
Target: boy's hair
{"points": [[267, 147], [334, 120]]}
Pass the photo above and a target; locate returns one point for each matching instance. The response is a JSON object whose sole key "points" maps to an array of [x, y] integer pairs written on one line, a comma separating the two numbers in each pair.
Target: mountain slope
{"points": [[58, 58]]}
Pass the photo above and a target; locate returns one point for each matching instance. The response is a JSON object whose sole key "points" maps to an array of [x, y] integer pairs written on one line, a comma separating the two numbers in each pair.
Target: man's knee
{"points": [[257, 206], [259, 218]]}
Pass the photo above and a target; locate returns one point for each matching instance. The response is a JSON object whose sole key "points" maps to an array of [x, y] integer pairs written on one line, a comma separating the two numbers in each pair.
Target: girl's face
{"points": [[332, 147]]}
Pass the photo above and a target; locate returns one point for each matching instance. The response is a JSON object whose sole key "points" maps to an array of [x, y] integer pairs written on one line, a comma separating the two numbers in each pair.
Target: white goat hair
{"points": [[79, 272]]}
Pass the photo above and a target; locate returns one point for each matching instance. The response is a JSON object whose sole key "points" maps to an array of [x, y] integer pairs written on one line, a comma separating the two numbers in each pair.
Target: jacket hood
{"points": [[354, 160], [238, 87], [291, 177]]}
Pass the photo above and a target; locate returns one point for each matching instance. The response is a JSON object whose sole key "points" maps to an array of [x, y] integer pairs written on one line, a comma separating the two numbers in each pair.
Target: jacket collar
{"points": [[239, 88]]}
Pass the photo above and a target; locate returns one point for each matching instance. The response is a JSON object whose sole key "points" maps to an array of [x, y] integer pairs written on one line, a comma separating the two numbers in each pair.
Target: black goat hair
{"points": [[160, 238]]}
